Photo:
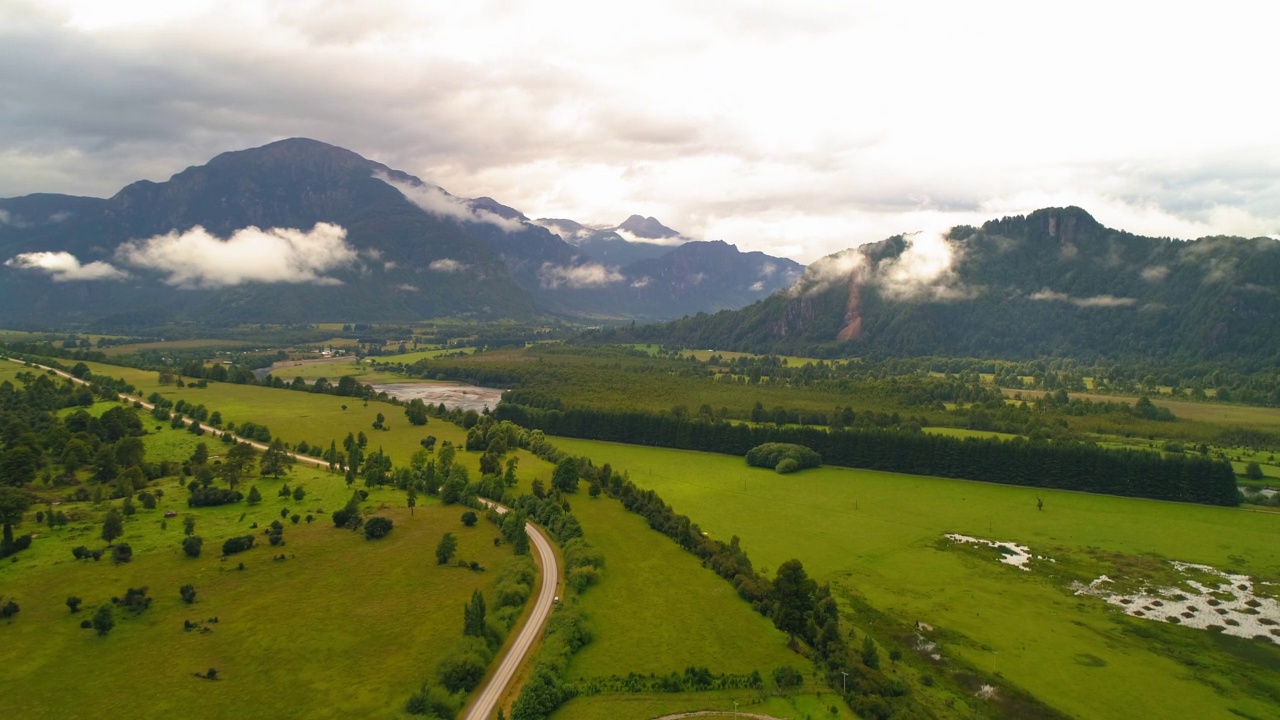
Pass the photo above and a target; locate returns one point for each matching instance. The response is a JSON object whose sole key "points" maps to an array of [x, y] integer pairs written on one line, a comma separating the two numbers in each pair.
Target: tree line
{"points": [[1061, 465]]}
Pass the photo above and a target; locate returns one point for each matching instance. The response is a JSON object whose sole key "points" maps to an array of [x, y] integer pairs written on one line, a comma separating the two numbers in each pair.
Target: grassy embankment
{"points": [[879, 535]]}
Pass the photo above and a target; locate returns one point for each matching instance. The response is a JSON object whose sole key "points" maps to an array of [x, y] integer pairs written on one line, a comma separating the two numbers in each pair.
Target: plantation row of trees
{"points": [[1063, 465]]}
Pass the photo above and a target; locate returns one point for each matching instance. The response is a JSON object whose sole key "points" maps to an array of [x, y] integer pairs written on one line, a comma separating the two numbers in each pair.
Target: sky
{"points": [[798, 130]]}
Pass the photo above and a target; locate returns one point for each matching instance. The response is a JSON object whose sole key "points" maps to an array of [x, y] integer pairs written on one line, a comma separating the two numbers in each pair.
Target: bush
{"points": [[73, 603], [377, 527], [9, 609], [777, 455], [104, 620], [188, 593], [787, 677], [136, 600], [433, 701], [211, 496], [469, 518], [191, 545], [121, 553], [582, 578], [237, 544], [462, 669]]}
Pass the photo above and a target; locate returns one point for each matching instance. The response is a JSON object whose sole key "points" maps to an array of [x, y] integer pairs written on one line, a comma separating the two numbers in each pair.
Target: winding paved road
{"points": [[485, 704]]}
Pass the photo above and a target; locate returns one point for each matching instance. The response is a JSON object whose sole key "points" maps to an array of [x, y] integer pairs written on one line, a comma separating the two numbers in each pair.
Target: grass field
{"points": [[296, 416], [643, 706], [343, 626], [1221, 414], [879, 535], [212, 344], [963, 433]]}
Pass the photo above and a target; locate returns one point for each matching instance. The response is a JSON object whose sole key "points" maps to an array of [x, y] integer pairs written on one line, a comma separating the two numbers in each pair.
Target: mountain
{"points": [[315, 233], [604, 244], [1052, 283], [302, 231]]}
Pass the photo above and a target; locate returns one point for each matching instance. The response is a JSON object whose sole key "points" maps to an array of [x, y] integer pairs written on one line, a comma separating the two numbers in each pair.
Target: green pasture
{"points": [[965, 433], [1213, 413], [341, 627], [657, 610], [645, 706], [212, 344], [879, 535], [296, 416]]}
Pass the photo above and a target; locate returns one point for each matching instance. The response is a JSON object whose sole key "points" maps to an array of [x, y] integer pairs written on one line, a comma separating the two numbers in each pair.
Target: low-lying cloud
{"points": [[924, 270], [63, 267], [578, 276], [438, 202], [1094, 301], [447, 265], [197, 259]]}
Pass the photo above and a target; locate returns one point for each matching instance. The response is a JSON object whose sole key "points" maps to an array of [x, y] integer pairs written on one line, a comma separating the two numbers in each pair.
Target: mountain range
{"points": [[1055, 282], [302, 231]]}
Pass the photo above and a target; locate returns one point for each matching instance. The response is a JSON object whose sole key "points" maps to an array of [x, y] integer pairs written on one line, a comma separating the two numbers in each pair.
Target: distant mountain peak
{"points": [[646, 227]]}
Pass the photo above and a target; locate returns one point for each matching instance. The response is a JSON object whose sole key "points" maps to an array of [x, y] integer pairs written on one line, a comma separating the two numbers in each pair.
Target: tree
{"points": [[73, 603], [112, 526], [188, 593], [299, 494], [416, 411], [275, 460], [13, 505], [469, 518], [191, 545], [1253, 471], [239, 461], [473, 616], [565, 477], [255, 497], [447, 547], [188, 525], [792, 595], [104, 620], [412, 498]]}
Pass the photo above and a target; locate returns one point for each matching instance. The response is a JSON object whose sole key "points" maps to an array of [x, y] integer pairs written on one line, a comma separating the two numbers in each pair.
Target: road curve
{"points": [[484, 705]]}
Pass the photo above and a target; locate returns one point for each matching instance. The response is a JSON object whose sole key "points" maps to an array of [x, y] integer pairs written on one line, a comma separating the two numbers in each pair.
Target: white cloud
{"points": [[757, 286], [406, 287], [670, 240], [438, 202], [1095, 301], [924, 270], [63, 266], [1155, 273], [578, 276], [4, 217], [447, 265], [197, 259], [641, 282]]}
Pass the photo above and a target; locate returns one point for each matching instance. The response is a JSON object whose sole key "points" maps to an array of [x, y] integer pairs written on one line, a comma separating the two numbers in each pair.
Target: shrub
{"points": [[237, 544], [121, 553], [462, 669], [9, 609], [787, 677], [104, 620], [377, 527], [469, 518], [188, 593], [211, 496], [191, 545], [136, 600], [777, 455], [73, 602]]}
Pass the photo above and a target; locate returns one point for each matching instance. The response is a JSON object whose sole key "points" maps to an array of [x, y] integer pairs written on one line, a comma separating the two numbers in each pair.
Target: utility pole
{"points": [[735, 710], [846, 683]]}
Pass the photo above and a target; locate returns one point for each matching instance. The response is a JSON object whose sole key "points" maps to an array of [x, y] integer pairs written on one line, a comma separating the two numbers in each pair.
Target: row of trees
{"points": [[1064, 465]]}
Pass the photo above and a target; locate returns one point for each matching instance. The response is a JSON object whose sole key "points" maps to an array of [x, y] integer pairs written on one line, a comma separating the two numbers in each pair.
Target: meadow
{"points": [[878, 538], [338, 626]]}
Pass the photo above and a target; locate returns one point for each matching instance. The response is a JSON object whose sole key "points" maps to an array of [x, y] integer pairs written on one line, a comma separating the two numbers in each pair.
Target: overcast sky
{"points": [[797, 130]]}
